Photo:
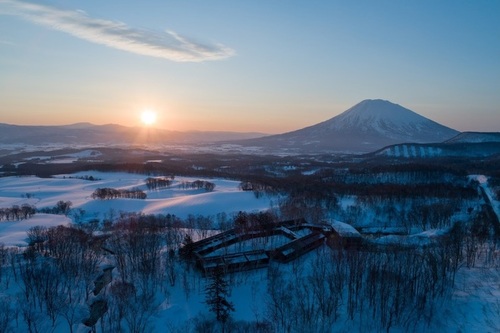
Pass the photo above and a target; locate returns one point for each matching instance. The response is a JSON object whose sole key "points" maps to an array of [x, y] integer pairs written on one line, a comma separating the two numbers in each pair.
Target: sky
{"points": [[247, 66]]}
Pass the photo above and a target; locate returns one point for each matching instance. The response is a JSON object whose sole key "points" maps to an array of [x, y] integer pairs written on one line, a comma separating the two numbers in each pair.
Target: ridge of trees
{"points": [[112, 193], [198, 184], [61, 207], [154, 183], [16, 212]]}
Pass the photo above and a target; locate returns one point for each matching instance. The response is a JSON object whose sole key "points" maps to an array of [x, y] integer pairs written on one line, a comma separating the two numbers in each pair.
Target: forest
{"points": [[56, 276]]}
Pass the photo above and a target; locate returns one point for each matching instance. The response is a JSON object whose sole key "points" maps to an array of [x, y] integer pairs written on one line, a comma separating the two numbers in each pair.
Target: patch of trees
{"points": [[383, 287], [154, 183], [56, 276], [86, 177], [144, 268], [198, 185], [380, 289], [263, 221], [112, 193], [403, 213], [310, 207], [394, 177], [61, 207], [494, 183], [257, 188], [386, 191], [43, 170], [16, 213]]}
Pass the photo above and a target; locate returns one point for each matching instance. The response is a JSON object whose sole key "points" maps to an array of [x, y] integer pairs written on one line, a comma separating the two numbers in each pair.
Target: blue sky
{"points": [[268, 66]]}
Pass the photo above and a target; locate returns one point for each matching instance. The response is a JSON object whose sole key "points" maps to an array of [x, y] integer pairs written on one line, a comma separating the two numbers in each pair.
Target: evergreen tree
{"points": [[216, 293]]}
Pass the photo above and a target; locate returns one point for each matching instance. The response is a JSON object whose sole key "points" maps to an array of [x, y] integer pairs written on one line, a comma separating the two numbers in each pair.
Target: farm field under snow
{"points": [[13, 233], [46, 192]]}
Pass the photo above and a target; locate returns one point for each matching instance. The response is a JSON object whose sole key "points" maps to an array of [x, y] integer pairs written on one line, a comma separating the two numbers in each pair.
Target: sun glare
{"points": [[148, 117]]}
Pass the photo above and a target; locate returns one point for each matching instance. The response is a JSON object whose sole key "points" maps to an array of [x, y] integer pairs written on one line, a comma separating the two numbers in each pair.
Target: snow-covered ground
{"points": [[46, 192], [13, 233]]}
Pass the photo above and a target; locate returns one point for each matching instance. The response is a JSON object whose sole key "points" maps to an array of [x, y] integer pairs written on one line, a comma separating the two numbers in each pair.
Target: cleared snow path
{"points": [[488, 196]]}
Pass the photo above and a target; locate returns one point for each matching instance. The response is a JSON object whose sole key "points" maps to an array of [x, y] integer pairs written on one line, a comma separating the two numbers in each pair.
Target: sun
{"points": [[148, 117]]}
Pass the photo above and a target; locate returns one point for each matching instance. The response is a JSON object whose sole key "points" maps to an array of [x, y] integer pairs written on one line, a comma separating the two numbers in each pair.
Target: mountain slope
{"points": [[365, 127]]}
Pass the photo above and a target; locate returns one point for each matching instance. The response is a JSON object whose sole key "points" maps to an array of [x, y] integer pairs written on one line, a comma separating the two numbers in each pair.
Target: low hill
{"points": [[436, 150], [475, 137]]}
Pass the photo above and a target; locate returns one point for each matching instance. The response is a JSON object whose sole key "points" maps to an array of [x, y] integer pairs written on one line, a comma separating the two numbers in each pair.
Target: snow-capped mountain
{"points": [[365, 127]]}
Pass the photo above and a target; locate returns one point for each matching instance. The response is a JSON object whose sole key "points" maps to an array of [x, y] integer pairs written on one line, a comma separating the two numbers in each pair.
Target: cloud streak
{"points": [[168, 45]]}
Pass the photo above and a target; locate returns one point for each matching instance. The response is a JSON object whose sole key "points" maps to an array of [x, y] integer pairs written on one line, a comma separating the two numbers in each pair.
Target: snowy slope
{"points": [[379, 117]]}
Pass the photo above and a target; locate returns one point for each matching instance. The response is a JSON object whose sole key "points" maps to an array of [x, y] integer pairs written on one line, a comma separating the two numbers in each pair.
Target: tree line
{"points": [[154, 183], [16, 212], [61, 207], [198, 184], [112, 193]]}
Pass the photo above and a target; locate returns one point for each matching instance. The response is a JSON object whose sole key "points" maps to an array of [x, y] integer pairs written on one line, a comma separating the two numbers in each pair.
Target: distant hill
{"points": [[475, 137], [466, 144], [437, 150], [86, 133], [365, 127]]}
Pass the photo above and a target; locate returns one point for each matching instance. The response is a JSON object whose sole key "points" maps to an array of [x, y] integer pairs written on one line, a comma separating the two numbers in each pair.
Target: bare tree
{"points": [[6, 314]]}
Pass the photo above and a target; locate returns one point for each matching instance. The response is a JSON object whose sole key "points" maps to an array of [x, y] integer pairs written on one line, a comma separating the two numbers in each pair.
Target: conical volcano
{"points": [[365, 127]]}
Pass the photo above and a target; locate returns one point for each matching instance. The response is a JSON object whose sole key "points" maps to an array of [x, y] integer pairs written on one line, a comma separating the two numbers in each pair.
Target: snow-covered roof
{"points": [[344, 229]]}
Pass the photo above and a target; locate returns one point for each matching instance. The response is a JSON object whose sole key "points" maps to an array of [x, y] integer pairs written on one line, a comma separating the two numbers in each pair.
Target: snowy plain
{"points": [[46, 192]]}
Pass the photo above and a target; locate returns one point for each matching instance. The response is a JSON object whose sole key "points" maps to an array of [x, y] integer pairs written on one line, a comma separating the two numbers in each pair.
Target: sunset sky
{"points": [[265, 66]]}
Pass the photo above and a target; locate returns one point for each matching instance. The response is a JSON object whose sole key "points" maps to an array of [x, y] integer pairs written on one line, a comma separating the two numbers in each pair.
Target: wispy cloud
{"points": [[168, 45]]}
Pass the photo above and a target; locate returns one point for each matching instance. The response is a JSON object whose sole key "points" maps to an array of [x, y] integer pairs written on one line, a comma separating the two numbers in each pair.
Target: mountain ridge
{"points": [[87, 133]]}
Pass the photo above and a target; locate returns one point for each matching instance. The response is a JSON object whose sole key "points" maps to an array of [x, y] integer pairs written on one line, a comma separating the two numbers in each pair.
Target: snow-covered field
{"points": [[13, 233], [46, 192]]}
